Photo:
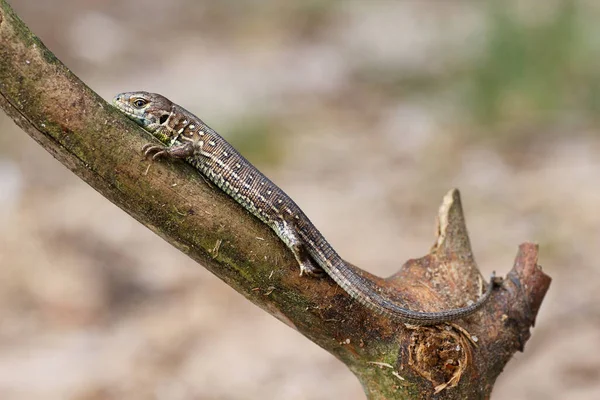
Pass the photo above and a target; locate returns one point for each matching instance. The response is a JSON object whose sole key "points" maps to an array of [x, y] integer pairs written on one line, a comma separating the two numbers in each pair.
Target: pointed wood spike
{"points": [[452, 235]]}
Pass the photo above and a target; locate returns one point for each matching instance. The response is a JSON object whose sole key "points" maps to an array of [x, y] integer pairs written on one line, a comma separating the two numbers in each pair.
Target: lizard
{"points": [[185, 136]]}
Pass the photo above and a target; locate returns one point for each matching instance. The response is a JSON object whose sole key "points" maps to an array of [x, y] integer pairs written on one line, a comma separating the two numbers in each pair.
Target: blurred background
{"points": [[366, 113]]}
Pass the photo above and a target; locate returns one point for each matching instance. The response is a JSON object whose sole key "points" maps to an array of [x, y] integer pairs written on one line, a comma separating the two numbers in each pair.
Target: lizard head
{"points": [[149, 110]]}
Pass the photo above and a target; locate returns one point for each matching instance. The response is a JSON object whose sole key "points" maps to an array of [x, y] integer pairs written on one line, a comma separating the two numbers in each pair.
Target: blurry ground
{"points": [[366, 113]]}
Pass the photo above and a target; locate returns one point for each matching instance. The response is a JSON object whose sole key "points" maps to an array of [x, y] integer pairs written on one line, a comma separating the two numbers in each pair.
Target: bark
{"points": [[392, 360]]}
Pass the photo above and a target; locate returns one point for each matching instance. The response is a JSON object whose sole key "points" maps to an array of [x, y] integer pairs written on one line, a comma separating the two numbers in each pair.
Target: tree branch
{"points": [[391, 360]]}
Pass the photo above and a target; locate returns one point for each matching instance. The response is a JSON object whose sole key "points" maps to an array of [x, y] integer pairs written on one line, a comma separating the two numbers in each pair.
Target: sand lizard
{"points": [[187, 137]]}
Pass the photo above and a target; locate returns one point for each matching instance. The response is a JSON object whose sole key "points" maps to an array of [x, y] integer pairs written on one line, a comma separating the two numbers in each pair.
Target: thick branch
{"points": [[392, 361]]}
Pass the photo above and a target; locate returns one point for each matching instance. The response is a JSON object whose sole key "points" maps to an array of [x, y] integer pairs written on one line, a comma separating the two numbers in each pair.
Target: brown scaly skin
{"points": [[188, 137]]}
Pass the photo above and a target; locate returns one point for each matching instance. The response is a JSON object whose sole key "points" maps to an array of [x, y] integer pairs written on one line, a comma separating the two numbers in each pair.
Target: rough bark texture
{"points": [[393, 361]]}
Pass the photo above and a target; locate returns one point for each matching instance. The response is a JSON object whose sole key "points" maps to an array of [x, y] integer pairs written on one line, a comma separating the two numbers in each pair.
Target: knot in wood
{"points": [[439, 354]]}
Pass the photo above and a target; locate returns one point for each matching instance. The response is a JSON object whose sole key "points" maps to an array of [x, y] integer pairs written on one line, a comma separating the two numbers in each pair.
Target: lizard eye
{"points": [[139, 103]]}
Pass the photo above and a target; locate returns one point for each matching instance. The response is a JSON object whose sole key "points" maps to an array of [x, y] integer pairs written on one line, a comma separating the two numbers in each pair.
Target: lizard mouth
{"points": [[120, 102]]}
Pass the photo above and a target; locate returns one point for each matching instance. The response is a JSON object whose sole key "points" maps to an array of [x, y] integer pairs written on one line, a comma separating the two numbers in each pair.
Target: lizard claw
{"points": [[154, 151], [159, 154], [147, 146]]}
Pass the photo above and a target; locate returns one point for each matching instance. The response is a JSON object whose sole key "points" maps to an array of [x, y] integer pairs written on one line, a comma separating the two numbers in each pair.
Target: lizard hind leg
{"points": [[307, 266], [290, 237]]}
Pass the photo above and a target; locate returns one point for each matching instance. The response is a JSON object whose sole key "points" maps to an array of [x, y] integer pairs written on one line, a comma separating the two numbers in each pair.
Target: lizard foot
{"points": [[309, 269], [154, 151]]}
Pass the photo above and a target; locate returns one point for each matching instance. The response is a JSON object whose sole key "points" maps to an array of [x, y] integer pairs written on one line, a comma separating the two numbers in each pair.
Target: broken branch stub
{"points": [[463, 359]]}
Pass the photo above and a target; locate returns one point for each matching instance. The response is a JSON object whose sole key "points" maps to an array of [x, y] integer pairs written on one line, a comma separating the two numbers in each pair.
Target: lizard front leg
{"points": [[183, 150], [188, 148]]}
